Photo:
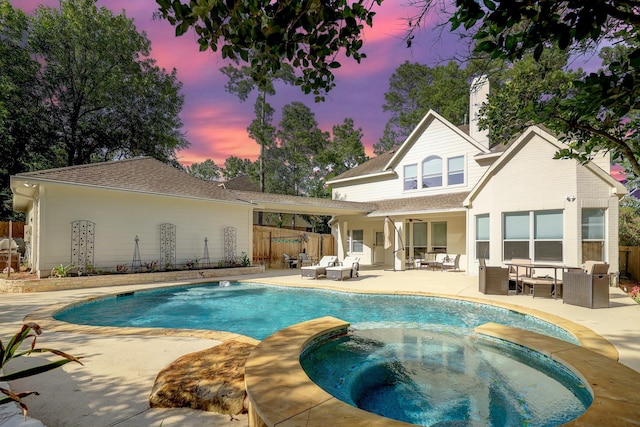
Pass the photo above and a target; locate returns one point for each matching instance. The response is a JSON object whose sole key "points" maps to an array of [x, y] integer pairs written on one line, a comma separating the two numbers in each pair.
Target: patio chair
{"points": [[348, 268], [315, 271], [289, 260], [492, 280], [304, 259], [451, 263], [588, 288], [435, 263]]}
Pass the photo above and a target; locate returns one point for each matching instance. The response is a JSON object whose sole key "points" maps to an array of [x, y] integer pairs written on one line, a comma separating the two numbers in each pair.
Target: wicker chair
{"points": [[315, 271], [493, 280], [588, 288]]}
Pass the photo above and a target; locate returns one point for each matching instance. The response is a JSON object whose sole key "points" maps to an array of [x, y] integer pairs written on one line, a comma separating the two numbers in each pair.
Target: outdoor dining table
{"points": [[530, 267]]}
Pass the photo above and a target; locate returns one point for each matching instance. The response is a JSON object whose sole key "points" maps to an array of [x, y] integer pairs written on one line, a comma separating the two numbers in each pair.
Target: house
{"points": [[450, 191], [443, 190], [142, 211]]}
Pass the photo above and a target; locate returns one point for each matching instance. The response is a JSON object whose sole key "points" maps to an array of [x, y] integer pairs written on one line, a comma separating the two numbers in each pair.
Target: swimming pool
{"points": [[258, 310]]}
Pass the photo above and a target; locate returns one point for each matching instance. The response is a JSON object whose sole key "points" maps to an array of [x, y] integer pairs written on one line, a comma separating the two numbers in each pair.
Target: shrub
{"points": [[62, 270], [635, 294]]}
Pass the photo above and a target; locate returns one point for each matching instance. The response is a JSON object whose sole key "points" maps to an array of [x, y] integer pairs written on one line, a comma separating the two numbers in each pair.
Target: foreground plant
{"points": [[10, 352]]}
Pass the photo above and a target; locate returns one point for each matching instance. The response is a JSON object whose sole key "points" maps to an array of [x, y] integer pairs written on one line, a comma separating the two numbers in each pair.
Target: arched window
{"points": [[432, 172]]}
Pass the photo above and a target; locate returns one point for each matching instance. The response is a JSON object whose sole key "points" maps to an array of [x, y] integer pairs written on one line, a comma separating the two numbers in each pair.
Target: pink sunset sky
{"points": [[215, 121]]}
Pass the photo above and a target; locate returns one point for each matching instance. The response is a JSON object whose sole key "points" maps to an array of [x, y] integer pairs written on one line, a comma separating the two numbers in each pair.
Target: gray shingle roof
{"points": [[241, 182], [143, 174], [421, 204], [371, 166], [149, 175]]}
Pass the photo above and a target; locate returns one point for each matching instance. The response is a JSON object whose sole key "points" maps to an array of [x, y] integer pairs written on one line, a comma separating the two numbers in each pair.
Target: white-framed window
{"points": [[593, 234], [548, 235], [419, 238], [439, 236], [411, 177], [482, 236], [537, 235], [355, 241], [455, 170], [432, 172], [515, 234]]}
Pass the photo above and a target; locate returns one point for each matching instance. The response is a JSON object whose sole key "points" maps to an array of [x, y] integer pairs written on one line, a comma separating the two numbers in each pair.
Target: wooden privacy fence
{"points": [[270, 243], [630, 262], [17, 229]]}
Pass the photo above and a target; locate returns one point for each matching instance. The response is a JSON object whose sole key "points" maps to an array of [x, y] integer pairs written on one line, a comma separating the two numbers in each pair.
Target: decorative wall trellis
{"points": [[205, 261], [167, 245], [82, 244], [230, 245], [136, 263]]}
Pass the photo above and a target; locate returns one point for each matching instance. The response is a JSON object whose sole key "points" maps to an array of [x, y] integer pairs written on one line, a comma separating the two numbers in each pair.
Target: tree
{"points": [[235, 166], [345, 150], [599, 109], [104, 97], [23, 122], [527, 94], [307, 34], [207, 170], [299, 140], [414, 89], [242, 84]]}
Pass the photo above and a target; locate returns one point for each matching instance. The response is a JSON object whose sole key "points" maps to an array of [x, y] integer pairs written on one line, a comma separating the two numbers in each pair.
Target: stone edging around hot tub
{"points": [[280, 392]]}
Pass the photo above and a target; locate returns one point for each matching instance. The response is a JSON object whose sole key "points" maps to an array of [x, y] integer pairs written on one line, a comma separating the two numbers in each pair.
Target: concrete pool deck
{"points": [[113, 386]]}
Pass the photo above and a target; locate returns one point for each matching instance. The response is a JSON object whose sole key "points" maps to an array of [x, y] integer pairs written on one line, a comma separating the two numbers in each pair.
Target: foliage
{"points": [[241, 83], [345, 150], [635, 294], [192, 263], [305, 34], [235, 166], [62, 270], [104, 97], [23, 129], [299, 139], [122, 268], [526, 94], [207, 170], [150, 266], [629, 226], [414, 89], [11, 352], [244, 260]]}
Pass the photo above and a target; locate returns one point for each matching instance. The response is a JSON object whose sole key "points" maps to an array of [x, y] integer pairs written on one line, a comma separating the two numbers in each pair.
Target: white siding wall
{"points": [[121, 216], [531, 181], [438, 139]]}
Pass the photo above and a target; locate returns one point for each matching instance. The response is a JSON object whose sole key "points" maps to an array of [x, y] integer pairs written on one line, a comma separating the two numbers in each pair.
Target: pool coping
{"points": [[281, 393], [44, 317]]}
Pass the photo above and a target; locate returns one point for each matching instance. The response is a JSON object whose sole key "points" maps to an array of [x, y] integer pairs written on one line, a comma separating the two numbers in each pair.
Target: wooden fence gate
{"points": [[630, 262], [270, 243]]}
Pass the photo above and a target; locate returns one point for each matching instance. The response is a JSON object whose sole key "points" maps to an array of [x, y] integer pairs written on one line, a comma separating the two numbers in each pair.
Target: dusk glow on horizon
{"points": [[215, 122]]}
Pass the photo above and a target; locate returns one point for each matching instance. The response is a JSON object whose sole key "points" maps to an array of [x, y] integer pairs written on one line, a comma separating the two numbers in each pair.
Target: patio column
{"points": [[342, 239], [399, 251]]}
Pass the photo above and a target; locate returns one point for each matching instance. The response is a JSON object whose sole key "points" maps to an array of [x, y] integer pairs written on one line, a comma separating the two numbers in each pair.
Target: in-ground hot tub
{"points": [[433, 378]]}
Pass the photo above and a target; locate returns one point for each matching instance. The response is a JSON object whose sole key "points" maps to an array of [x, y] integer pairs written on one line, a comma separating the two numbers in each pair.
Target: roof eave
{"points": [[361, 177]]}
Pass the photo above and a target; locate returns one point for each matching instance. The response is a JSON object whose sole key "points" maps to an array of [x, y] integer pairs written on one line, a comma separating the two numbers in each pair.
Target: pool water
{"points": [[258, 310], [446, 379]]}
